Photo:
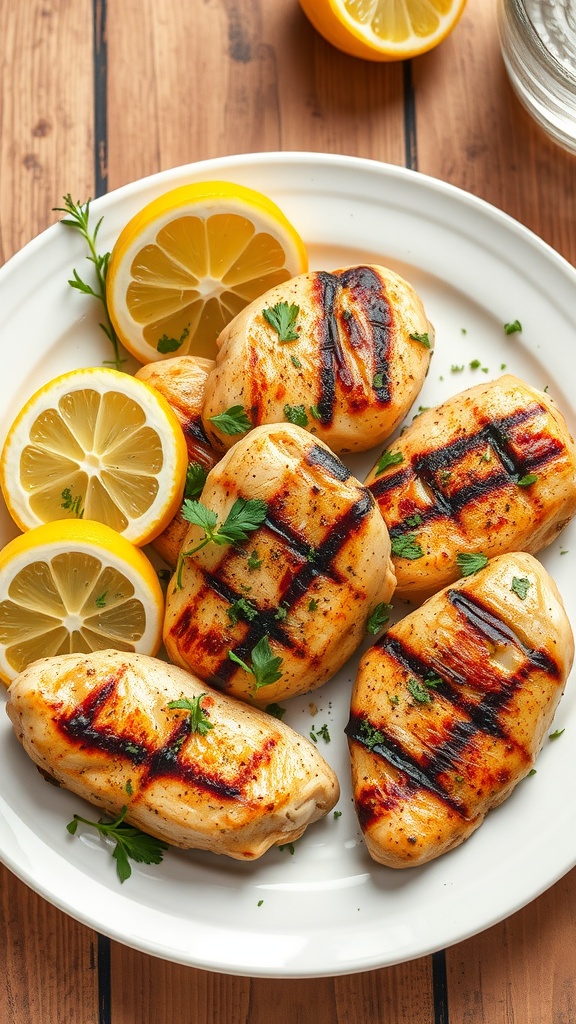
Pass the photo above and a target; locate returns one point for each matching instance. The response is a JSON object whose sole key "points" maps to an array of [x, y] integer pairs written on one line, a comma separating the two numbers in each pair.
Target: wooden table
{"points": [[96, 93]]}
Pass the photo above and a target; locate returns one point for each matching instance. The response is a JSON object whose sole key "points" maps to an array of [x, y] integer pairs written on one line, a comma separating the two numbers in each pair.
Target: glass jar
{"points": [[538, 39]]}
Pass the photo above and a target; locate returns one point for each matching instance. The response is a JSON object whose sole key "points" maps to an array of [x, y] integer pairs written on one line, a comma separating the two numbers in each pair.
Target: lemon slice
{"points": [[185, 265], [75, 586], [383, 29], [95, 444]]}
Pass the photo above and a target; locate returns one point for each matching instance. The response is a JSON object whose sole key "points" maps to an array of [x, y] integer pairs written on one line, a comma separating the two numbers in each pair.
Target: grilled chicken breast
{"points": [[101, 725], [491, 470], [451, 705], [304, 583], [182, 381], [348, 366]]}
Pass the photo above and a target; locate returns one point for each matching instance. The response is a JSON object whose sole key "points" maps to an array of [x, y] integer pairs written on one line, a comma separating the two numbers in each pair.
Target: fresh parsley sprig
{"points": [[199, 721], [246, 515], [78, 217], [282, 317], [195, 480], [265, 665], [131, 843], [232, 421], [470, 562], [378, 618]]}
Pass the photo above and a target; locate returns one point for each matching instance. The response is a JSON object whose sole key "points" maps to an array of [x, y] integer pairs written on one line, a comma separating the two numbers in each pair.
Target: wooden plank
{"points": [[225, 77], [474, 133], [47, 961], [150, 991], [522, 969], [45, 113]]}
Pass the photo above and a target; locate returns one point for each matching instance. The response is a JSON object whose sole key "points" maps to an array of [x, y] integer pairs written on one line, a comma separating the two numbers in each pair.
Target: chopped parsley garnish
{"points": [[241, 607], [245, 516], [415, 520], [195, 480], [72, 504], [100, 601], [512, 328], [456, 369], [276, 710], [313, 605], [520, 586], [422, 338], [281, 613], [337, 814], [378, 381], [167, 344], [378, 617], [254, 562], [315, 410], [282, 317], [406, 546], [321, 733], [370, 736], [444, 476], [199, 721], [287, 846], [418, 691], [296, 414], [388, 459], [527, 480], [557, 732], [296, 362], [265, 664], [233, 421], [469, 562], [129, 788], [475, 363], [131, 843]]}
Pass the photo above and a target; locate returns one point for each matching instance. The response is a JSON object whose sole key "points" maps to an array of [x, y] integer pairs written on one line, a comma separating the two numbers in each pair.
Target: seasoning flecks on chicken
{"points": [[307, 578], [450, 708], [182, 382], [348, 365], [101, 726], [491, 470]]}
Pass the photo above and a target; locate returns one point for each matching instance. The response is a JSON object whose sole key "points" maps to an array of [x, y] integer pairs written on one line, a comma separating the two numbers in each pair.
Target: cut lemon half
{"points": [[383, 29], [75, 587], [95, 444], [185, 265]]}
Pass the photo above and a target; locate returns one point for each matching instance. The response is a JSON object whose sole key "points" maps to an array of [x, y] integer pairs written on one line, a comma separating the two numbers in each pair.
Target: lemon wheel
{"points": [[383, 30], [95, 444], [187, 263], [75, 586]]}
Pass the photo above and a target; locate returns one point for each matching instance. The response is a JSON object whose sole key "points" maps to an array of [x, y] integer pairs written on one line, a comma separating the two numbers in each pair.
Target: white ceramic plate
{"points": [[327, 909]]}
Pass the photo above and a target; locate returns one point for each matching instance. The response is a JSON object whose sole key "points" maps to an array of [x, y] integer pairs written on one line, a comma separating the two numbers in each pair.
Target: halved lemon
{"points": [[95, 444], [185, 265], [383, 29], [74, 587]]}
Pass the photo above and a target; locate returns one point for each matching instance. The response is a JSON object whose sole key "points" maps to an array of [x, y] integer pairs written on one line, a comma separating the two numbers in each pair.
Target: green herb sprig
{"points": [[232, 421], [282, 317], [130, 842], [246, 515], [199, 721], [265, 665], [78, 217]]}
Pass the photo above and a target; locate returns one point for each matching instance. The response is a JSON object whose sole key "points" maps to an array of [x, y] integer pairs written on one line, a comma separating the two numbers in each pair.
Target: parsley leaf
{"points": [[388, 459], [131, 843], [369, 735], [241, 607], [199, 721], [244, 516], [422, 338], [378, 618], [166, 344], [195, 480], [520, 586], [296, 414], [265, 664], [418, 691], [527, 480], [323, 733], [233, 421], [254, 562], [276, 710], [100, 601], [406, 546], [469, 562], [557, 732], [513, 328], [282, 317]]}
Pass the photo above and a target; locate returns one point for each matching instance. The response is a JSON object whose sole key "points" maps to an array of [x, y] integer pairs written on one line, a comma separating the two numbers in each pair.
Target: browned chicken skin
{"points": [[100, 725], [308, 578], [492, 469], [357, 358], [451, 705]]}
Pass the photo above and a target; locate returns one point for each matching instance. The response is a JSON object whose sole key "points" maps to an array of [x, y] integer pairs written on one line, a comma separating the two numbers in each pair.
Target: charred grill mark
{"points": [[158, 762], [509, 466], [318, 456], [360, 731], [368, 293], [194, 429]]}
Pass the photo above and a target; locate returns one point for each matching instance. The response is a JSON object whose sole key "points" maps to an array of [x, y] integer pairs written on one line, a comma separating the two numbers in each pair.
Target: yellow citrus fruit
{"points": [[95, 444], [75, 586], [185, 265], [383, 29]]}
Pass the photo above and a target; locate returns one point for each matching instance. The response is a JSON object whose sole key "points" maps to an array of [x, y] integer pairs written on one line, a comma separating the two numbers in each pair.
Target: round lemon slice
{"points": [[383, 29], [95, 444], [187, 263], [75, 586]]}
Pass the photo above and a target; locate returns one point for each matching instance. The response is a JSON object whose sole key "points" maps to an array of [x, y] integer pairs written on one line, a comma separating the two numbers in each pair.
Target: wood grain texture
{"points": [[46, 138]]}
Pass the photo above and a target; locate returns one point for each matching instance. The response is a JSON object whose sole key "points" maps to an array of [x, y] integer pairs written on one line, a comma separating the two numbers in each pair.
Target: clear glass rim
{"points": [[532, 37]]}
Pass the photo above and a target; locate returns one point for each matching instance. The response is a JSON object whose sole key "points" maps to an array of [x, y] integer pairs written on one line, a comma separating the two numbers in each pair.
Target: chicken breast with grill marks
{"points": [[491, 470], [451, 706], [304, 583], [345, 356], [101, 725], [182, 382]]}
